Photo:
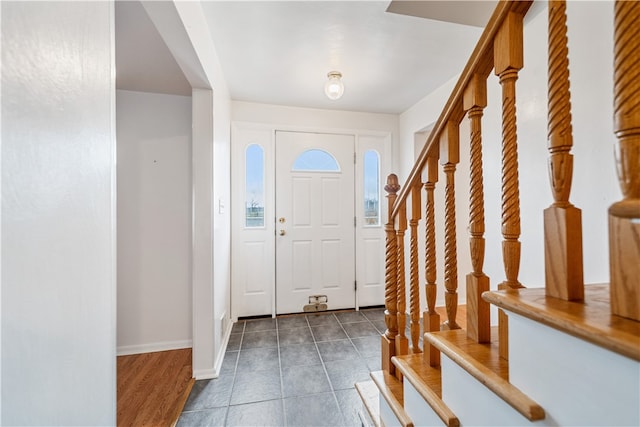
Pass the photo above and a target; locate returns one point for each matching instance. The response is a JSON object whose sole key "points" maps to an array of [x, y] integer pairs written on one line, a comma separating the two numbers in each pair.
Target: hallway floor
{"points": [[296, 370]]}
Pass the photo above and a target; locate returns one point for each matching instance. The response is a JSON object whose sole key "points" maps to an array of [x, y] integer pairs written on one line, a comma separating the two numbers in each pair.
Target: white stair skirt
{"points": [[576, 382], [387, 416], [417, 408], [473, 403]]}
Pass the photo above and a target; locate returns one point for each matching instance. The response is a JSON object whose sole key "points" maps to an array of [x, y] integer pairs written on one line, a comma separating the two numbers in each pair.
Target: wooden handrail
{"points": [[479, 62]]}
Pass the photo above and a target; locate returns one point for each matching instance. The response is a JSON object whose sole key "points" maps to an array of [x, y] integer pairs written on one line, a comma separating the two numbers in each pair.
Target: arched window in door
{"points": [[371, 188], [316, 160], [254, 186]]}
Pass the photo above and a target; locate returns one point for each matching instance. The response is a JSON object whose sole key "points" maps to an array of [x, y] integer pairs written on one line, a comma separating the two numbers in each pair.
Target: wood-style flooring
{"points": [[153, 387]]}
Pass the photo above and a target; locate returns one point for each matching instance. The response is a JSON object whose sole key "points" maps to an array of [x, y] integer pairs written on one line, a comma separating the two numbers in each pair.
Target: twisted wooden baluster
{"points": [[431, 318], [402, 344], [562, 220], [449, 148], [508, 59], [450, 248], [414, 284], [510, 182], [478, 314], [391, 271], [624, 216]]}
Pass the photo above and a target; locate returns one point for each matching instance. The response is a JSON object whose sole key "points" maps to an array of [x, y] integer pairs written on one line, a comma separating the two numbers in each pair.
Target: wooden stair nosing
{"points": [[444, 341], [590, 320], [391, 389], [369, 394], [416, 372]]}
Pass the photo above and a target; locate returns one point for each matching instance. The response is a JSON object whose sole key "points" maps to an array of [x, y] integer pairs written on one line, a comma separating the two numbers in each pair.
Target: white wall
{"points": [[594, 179], [154, 221], [422, 116], [309, 118], [219, 169], [184, 29], [58, 214]]}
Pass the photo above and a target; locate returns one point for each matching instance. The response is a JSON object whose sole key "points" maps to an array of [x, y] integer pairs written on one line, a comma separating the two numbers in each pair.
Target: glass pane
{"points": [[254, 191], [316, 160], [371, 188]]}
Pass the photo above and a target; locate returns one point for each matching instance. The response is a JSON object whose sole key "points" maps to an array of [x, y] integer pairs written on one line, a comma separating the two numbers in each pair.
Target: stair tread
{"points": [[392, 391], [369, 394], [590, 320], [487, 353], [483, 362], [413, 366], [427, 381]]}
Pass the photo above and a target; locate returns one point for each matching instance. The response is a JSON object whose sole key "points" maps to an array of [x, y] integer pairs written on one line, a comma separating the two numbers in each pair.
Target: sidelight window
{"points": [[371, 188], [254, 186]]}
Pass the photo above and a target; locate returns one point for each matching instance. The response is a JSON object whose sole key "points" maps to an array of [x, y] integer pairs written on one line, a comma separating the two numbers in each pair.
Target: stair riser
{"points": [[387, 416], [418, 409], [473, 403], [576, 382]]}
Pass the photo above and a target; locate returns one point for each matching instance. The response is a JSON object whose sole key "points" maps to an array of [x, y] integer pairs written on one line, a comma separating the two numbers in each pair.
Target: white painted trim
{"points": [[126, 350], [387, 416], [114, 208], [202, 229], [221, 351], [205, 374], [237, 169]]}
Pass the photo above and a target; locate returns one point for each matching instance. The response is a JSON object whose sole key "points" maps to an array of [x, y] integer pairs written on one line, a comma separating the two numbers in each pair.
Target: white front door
{"points": [[315, 243]]}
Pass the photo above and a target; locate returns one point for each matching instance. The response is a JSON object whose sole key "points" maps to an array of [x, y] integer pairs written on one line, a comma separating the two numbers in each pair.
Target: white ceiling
{"points": [[279, 52]]}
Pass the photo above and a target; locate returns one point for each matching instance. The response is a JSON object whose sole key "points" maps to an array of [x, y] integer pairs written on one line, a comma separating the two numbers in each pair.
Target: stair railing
{"points": [[500, 49]]}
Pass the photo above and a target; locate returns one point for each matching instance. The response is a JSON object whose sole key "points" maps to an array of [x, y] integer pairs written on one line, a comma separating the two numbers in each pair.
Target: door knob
{"points": [[282, 232]]}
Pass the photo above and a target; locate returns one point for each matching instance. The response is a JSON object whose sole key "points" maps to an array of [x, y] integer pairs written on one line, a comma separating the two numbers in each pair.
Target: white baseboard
{"points": [[223, 347], [205, 374], [153, 347]]}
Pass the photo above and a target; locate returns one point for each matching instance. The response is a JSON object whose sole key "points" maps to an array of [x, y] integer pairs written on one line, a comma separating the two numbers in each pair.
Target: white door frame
{"points": [[253, 281]]}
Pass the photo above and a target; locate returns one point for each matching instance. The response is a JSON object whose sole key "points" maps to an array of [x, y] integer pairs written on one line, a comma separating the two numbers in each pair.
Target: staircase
{"points": [[563, 354]]}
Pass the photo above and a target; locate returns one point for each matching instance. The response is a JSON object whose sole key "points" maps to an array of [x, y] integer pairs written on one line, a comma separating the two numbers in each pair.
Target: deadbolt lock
{"points": [[281, 220]]}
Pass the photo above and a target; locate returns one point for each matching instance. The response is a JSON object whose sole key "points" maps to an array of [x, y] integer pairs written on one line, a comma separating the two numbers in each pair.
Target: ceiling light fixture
{"points": [[334, 88]]}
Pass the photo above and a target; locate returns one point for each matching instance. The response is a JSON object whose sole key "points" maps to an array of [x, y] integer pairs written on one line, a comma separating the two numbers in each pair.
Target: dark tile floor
{"points": [[296, 370]]}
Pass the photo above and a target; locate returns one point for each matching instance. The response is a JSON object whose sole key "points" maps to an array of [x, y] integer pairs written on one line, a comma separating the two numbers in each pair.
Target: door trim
{"points": [[244, 133]]}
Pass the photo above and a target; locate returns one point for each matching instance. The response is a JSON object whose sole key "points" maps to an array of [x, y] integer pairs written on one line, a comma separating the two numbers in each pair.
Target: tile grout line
{"points": [[335, 396], [235, 372], [282, 405], [279, 343], [324, 367]]}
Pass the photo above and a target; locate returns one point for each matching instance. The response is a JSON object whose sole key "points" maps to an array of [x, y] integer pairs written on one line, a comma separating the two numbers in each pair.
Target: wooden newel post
{"points": [[390, 279], [562, 220], [624, 216]]}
